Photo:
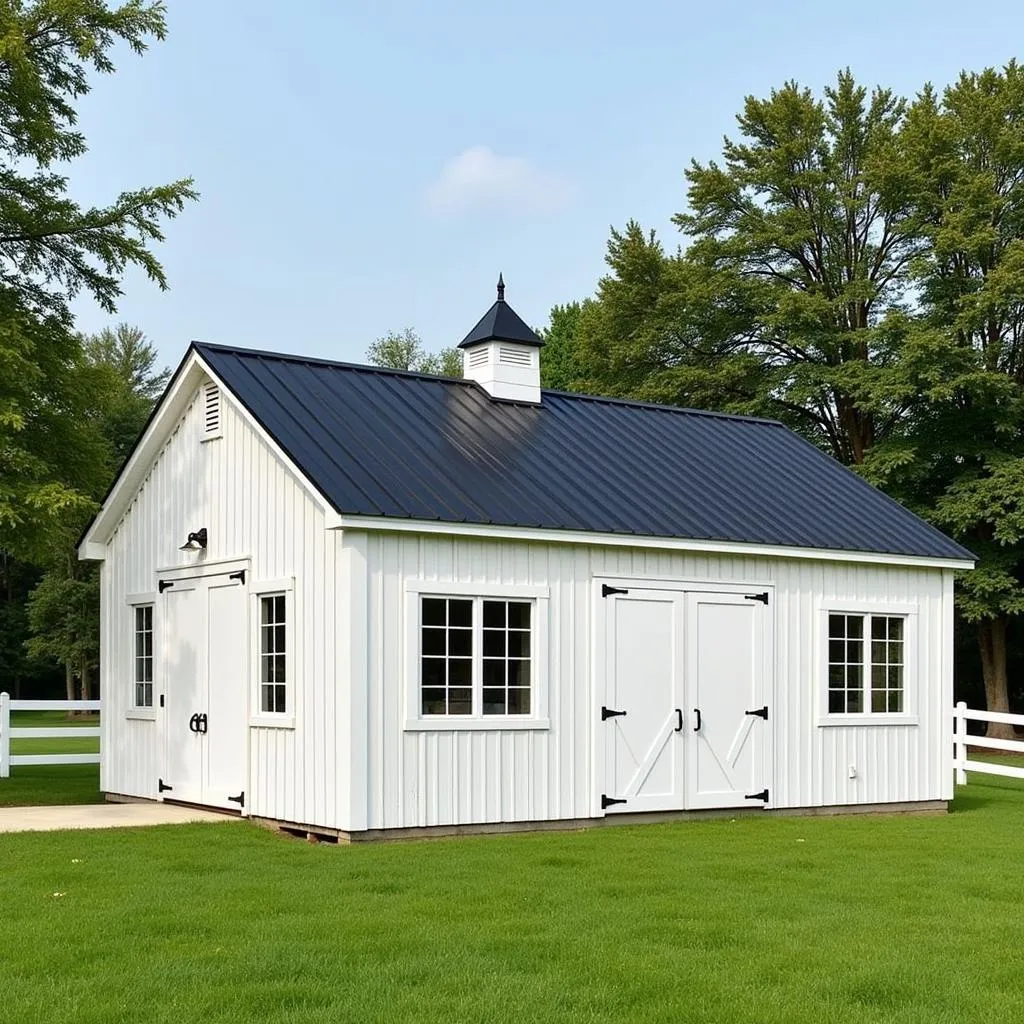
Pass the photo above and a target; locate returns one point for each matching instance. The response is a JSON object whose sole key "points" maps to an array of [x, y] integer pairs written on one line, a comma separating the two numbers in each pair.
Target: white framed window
{"points": [[274, 654], [868, 661], [142, 660], [476, 657]]}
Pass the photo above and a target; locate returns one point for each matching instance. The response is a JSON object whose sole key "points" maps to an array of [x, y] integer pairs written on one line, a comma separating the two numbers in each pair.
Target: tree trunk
{"points": [[85, 680], [992, 644], [69, 685]]}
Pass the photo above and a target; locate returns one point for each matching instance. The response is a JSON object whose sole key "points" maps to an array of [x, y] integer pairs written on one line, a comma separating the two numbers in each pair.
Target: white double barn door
{"points": [[205, 670], [685, 717]]}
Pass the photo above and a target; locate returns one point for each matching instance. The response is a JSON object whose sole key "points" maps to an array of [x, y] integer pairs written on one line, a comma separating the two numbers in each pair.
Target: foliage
{"points": [[50, 247], [561, 367], [404, 351]]}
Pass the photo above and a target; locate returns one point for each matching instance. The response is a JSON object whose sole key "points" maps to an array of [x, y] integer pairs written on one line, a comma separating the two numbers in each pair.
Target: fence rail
{"points": [[57, 732], [962, 739]]}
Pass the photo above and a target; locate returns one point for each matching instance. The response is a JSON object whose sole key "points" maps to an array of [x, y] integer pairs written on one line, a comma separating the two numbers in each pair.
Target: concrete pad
{"points": [[49, 819]]}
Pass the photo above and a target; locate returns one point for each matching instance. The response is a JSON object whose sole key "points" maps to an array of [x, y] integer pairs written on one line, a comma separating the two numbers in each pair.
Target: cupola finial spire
{"points": [[501, 287]]}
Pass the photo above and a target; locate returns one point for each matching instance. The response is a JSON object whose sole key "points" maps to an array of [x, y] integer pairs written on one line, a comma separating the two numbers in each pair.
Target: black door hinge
{"points": [[607, 801], [759, 713], [240, 576], [162, 786], [763, 795], [240, 799], [763, 598], [606, 591], [607, 713], [164, 584]]}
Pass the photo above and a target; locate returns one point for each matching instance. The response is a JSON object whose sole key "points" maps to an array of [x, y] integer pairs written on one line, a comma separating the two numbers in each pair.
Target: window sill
{"points": [[272, 722], [475, 724], [141, 714], [877, 719]]}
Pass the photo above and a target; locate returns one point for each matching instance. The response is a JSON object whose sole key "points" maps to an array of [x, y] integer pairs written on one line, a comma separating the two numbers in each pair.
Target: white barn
{"points": [[359, 602]]}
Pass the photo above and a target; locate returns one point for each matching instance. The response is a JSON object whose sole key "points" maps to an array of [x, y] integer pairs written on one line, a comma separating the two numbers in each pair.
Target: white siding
{"points": [[253, 508], [417, 778]]}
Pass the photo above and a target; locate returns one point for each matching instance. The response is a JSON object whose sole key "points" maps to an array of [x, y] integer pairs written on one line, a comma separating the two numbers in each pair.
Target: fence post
{"points": [[5, 735], [960, 741]]}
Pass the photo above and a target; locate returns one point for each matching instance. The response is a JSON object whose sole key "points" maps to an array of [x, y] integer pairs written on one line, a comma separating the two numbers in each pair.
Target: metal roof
{"points": [[501, 323], [380, 442]]}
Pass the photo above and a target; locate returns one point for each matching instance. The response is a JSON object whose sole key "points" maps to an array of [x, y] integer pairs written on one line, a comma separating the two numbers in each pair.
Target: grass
{"points": [[58, 745], [759, 919], [50, 784]]}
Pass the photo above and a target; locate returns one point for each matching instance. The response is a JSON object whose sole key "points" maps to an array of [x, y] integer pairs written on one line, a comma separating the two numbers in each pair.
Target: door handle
{"points": [[696, 711], [193, 723], [201, 724], [679, 727]]}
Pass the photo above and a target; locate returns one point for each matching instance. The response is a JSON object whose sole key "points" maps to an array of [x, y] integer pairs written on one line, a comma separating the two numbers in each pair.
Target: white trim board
{"points": [[489, 532]]}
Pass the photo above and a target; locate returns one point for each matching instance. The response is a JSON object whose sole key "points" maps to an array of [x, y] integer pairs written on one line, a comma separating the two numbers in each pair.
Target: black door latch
{"points": [[607, 713]]}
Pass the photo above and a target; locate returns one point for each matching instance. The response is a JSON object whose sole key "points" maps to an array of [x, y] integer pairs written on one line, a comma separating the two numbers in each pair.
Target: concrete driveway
{"points": [[48, 819]]}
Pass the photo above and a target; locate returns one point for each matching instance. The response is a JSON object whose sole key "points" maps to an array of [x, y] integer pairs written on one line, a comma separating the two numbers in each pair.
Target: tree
{"points": [[404, 351], [50, 247], [561, 366]]}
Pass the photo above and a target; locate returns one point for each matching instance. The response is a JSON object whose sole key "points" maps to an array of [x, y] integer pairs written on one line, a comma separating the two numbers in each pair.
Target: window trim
{"points": [[909, 715], [135, 711], [259, 718], [415, 720]]}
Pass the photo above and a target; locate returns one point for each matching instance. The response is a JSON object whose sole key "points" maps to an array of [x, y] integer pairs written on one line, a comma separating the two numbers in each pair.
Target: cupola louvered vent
{"points": [[211, 411], [514, 356], [478, 357]]}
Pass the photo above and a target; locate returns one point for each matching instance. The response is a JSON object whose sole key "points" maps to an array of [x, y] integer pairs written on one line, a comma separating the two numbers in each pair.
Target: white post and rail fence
{"points": [[962, 762], [7, 759]]}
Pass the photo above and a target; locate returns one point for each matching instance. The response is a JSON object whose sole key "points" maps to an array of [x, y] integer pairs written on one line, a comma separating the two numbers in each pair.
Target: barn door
{"points": [[642, 714], [204, 690], [726, 764]]}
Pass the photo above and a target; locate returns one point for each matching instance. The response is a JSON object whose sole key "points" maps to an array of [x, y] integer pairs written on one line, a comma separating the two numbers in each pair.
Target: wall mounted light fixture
{"points": [[196, 541]]}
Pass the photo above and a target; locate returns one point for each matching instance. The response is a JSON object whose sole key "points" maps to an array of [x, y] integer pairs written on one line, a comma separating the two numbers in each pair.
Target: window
{"points": [[866, 664], [476, 656], [273, 655], [143, 655]]}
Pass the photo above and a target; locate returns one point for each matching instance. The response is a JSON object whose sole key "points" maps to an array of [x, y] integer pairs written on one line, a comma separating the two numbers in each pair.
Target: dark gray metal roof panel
{"points": [[379, 442]]}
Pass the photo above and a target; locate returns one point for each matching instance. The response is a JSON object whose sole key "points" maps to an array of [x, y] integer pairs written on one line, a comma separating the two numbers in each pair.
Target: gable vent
{"points": [[211, 411], [514, 356], [478, 357]]}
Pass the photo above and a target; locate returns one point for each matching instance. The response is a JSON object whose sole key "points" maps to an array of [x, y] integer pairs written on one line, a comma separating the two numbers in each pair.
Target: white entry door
{"points": [[205, 672], [642, 717], [726, 763]]}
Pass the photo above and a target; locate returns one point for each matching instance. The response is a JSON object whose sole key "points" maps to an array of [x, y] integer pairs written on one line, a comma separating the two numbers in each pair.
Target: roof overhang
{"points": [[629, 540], [191, 372]]}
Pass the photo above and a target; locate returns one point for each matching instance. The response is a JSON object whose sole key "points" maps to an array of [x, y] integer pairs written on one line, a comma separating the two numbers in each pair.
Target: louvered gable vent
{"points": [[211, 411]]}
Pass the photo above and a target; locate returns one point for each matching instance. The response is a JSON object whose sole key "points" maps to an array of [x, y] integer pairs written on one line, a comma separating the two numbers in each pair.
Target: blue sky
{"points": [[366, 166]]}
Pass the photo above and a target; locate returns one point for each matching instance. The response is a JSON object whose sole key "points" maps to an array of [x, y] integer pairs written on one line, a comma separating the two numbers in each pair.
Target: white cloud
{"points": [[480, 179]]}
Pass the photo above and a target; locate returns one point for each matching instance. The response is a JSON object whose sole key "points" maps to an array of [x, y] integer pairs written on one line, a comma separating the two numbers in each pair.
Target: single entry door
{"points": [[642, 718], [725, 700], [204, 690]]}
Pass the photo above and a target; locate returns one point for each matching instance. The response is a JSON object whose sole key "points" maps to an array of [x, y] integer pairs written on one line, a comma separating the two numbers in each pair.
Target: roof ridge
{"points": [[420, 375], [320, 361]]}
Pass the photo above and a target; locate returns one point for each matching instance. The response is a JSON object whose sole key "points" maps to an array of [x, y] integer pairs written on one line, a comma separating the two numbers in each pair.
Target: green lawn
{"points": [[58, 745], [846, 919], [50, 784]]}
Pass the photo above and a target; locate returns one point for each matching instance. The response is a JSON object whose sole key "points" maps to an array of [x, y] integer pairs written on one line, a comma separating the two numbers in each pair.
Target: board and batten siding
{"points": [[421, 778], [253, 508]]}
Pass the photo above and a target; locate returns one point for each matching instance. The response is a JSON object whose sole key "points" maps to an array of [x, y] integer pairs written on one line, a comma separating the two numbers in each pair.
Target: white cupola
{"points": [[502, 354]]}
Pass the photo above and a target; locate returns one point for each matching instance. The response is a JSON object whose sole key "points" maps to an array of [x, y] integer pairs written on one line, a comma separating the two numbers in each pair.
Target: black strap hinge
{"points": [[763, 795], [162, 786], [607, 713], [240, 575], [759, 712], [240, 799], [164, 584], [763, 598], [606, 591], [607, 801]]}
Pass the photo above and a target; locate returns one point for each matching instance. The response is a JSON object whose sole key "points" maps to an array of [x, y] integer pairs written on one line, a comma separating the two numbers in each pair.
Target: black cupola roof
{"points": [[501, 323]]}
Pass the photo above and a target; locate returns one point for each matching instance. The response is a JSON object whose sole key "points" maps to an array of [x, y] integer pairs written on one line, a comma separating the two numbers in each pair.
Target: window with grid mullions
{"points": [[144, 656], [446, 656], [866, 660], [273, 654], [506, 657]]}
